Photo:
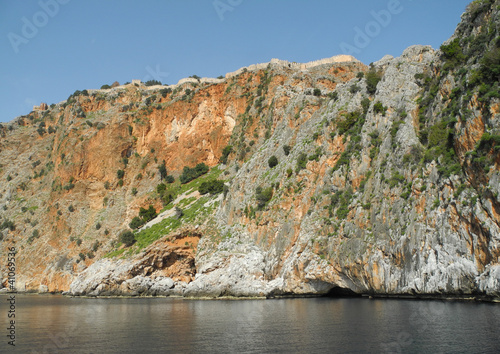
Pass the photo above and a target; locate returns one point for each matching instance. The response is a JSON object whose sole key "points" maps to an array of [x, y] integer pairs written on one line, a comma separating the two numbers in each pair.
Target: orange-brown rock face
{"points": [[172, 257], [333, 177], [64, 190]]}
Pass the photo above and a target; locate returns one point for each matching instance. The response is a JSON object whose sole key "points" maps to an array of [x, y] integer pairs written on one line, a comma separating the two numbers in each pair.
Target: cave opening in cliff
{"points": [[341, 292]]}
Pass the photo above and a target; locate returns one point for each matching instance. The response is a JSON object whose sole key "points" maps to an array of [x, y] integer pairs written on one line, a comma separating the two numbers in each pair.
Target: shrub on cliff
{"points": [[301, 162], [453, 54], [163, 170], [178, 213], [147, 214], [152, 83], [378, 107], [8, 224], [136, 223], [41, 131], [127, 238], [212, 187], [167, 197], [161, 188], [164, 92], [372, 80], [273, 161], [225, 154], [188, 174], [348, 120], [263, 195]]}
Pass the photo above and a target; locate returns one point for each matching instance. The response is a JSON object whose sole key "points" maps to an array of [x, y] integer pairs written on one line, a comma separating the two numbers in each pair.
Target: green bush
{"points": [[161, 188], [120, 174], [490, 66], [212, 187], [453, 54], [273, 161], [167, 198], [301, 162], [372, 80], [316, 155], [488, 141], [164, 92], [263, 195], [8, 224], [225, 154], [437, 134], [348, 120], [147, 214], [317, 92], [189, 174], [396, 179], [95, 246], [40, 131], [152, 83], [179, 213], [333, 95], [127, 238], [105, 87], [448, 169], [379, 108], [286, 149], [136, 223], [395, 128], [354, 89], [341, 200], [365, 103], [170, 179]]}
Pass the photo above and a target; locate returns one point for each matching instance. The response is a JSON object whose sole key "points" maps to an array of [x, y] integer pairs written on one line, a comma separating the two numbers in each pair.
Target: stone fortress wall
{"points": [[253, 67], [294, 65]]}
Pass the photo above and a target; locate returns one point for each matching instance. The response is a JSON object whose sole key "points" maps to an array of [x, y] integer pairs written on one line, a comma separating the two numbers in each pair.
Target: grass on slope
{"points": [[195, 211]]}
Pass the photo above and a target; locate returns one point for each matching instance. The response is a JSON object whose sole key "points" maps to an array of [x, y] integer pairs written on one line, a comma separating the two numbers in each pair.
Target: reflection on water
{"points": [[57, 324]]}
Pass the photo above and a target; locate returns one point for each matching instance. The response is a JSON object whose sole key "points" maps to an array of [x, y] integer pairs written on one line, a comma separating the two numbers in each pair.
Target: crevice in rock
{"points": [[337, 291]]}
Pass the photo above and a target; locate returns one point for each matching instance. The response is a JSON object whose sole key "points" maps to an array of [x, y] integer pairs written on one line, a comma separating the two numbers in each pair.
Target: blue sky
{"points": [[50, 48]]}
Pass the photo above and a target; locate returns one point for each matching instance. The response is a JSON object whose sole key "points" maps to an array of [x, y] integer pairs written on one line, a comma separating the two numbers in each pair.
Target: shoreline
{"points": [[422, 297]]}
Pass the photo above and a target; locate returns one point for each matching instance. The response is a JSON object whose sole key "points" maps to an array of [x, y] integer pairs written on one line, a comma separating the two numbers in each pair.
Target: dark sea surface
{"points": [[57, 324]]}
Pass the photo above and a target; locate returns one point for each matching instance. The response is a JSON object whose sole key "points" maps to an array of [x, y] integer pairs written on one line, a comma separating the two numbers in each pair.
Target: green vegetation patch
{"points": [[188, 174]]}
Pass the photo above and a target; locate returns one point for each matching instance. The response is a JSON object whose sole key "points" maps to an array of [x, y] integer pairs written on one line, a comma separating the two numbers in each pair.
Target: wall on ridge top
{"points": [[294, 65]]}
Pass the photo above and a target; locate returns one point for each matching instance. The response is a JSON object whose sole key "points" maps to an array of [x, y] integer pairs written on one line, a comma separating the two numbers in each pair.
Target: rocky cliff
{"points": [[335, 178]]}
